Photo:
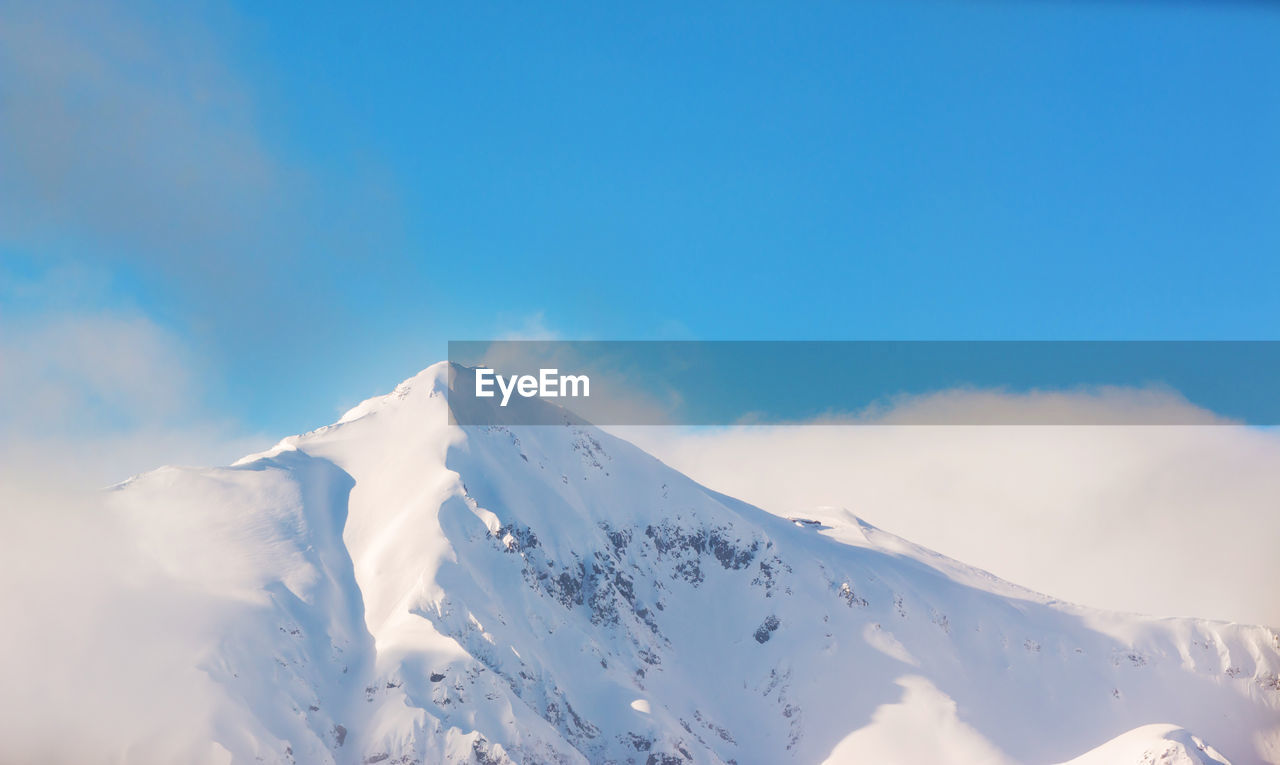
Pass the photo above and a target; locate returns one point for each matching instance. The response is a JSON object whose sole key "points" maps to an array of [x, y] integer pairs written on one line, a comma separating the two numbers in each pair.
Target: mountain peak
{"points": [[422, 592]]}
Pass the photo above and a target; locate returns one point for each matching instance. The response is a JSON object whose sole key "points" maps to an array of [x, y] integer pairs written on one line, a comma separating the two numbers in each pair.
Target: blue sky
{"points": [[306, 201]]}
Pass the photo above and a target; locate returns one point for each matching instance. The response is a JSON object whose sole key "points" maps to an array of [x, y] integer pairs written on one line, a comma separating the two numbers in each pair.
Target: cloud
{"points": [[1100, 405], [895, 732], [129, 135], [70, 571], [94, 397], [1163, 520], [91, 397], [129, 141], [138, 152], [71, 367], [532, 327]]}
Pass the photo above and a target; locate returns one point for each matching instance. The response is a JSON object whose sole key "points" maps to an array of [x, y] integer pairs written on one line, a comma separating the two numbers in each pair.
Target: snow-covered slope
{"points": [[406, 591], [1155, 744]]}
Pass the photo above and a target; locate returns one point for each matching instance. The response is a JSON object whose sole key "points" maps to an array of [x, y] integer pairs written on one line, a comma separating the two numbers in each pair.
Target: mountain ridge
{"points": [[413, 591]]}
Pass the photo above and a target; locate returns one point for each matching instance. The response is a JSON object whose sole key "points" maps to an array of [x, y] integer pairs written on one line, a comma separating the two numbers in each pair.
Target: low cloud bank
{"points": [[101, 640], [1162, 520]]}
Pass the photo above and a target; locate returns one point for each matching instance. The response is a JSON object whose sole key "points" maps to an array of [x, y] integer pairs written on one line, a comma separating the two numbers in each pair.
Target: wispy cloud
{"points": [[132, 136], [94, 397], [128, 138], [532, 327]]}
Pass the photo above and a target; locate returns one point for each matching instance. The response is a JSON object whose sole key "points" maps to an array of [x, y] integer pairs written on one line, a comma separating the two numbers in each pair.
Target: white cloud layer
{"points": [[1162, 520], [90, 398], [94, 397]]}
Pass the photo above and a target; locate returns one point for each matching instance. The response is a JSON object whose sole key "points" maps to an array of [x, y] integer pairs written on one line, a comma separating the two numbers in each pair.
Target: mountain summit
{"points": [[395, 589]]}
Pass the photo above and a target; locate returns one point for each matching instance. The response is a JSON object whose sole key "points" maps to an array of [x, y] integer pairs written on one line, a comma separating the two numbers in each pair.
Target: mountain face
{"points": [[399, 590]]}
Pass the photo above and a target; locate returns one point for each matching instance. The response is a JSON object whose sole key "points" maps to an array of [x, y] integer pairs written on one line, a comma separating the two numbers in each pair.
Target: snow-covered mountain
{"points": [[406, 591]]}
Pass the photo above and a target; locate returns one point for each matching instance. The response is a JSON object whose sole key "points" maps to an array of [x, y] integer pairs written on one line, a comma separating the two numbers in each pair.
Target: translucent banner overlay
{"points": [[865, 382]]}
